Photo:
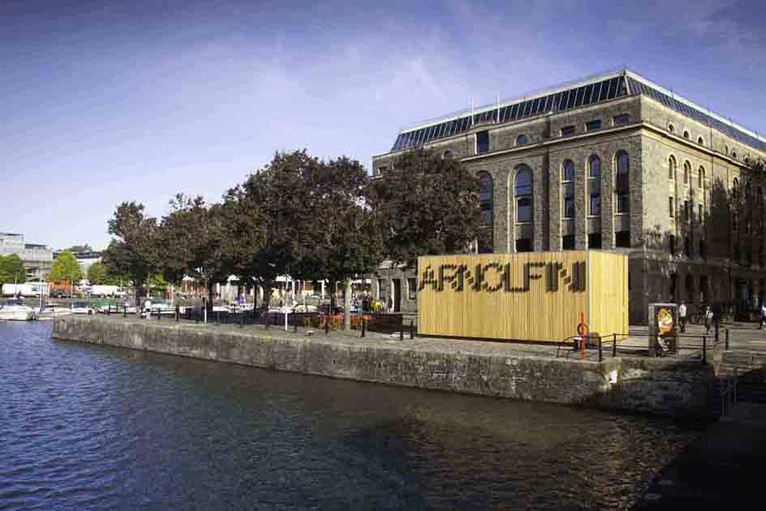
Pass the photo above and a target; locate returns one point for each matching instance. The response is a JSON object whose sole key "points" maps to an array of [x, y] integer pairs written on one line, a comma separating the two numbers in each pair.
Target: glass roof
{"points": [[596, 90]]}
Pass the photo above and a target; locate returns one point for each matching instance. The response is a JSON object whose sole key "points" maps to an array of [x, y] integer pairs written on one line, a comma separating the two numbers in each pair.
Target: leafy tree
{"points": [[426, 205], [340, 237], [65, 268], [133, 251], [190, 243], [80, 248], [267, 220], [100, 274], [12, 269]]}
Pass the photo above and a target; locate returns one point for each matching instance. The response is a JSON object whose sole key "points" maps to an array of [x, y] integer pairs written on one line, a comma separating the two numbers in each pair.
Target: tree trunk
{"points": [[210, 297], [347, 304], [267, 287]]}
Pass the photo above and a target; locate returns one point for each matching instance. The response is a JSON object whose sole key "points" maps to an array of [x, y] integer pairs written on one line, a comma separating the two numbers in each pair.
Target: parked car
{"points": [[82, 308], [162, 307]]}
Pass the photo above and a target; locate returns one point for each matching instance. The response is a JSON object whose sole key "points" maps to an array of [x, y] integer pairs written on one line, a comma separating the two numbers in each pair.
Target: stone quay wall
{"points": [[673, 388]]}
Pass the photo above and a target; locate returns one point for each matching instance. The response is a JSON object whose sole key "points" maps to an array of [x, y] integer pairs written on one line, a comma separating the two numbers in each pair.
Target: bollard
{"points": [[401, 333], [600, 354], [326, 326], [704, 349], [727, 339], [412, 329], [158, 315], [295, 326], [364, 327], [614, 345], [217, 317], [178, 313], [241, 320], [124, 311]]}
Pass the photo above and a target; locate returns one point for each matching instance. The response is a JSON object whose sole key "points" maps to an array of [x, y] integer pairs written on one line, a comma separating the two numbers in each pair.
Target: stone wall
{"points": [[654, 386]]}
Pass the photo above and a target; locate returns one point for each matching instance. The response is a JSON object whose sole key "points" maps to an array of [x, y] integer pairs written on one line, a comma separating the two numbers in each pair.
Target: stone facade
{"points": [[650, 134], [38, 259]]}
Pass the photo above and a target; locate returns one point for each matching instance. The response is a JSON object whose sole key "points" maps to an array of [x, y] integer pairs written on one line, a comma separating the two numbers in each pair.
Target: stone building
{"points": [[37, 259], [612, 162]]}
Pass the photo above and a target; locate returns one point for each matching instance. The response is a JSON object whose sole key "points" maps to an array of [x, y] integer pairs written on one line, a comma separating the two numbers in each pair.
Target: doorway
{"points": [[397, 295]]}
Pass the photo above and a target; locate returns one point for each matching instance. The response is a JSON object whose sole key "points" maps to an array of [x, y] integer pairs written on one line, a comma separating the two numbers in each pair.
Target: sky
{"points": [[109, 101]]}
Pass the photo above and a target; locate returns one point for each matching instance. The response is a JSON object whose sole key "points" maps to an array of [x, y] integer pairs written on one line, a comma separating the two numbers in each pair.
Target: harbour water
{"points": [[93, 427]]}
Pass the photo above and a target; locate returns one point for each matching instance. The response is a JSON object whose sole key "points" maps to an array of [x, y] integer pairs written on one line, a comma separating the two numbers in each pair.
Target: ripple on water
{"points": [[92, 427]]}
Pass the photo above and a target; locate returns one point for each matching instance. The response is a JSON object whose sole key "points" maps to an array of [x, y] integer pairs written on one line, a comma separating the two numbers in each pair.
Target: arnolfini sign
{"points": [[533, 296]]}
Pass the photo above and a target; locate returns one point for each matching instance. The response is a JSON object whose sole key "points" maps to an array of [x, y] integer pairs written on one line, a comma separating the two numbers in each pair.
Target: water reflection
{"points": [[95, 427]]}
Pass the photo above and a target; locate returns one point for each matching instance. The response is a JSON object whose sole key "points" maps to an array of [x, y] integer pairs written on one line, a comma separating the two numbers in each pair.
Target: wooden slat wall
{"points": [[537, 314], [608, 292]]}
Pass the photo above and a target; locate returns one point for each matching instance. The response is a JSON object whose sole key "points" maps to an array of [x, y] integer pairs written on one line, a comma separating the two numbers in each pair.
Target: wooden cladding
{"points": [[535, 296]]}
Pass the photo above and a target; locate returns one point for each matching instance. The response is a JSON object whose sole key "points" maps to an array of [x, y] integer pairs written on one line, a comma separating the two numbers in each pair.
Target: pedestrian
{"points": [[708, 319], [682, 316], [763, 316]]}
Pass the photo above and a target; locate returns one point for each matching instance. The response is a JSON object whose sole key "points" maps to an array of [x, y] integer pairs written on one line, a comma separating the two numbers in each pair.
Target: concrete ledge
{"points": [[490, 369]]}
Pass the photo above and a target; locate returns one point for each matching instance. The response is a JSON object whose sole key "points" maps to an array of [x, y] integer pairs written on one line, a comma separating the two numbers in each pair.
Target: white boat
{"points": [[15, 310], [51, 311]]}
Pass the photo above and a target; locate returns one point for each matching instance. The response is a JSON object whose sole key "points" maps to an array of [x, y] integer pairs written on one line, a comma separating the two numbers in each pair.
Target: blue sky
{"points": [[107, 101]]}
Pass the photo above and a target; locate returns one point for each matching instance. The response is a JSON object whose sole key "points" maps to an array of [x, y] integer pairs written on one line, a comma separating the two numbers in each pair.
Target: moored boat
{"points": [[16, 310], [51, 311]]}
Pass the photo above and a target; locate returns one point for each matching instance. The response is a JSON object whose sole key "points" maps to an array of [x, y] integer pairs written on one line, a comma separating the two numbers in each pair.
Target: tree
{"points": [[267, 220], [76, 249], [65, 268], [133, 251], [190, 243], [12, 269], [426, 205], [340, 236], [99, 274]]}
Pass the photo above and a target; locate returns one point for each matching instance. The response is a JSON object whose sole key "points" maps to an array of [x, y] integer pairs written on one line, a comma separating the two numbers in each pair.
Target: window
{"points": [[672, 244], [621, 120], [686, 210], [701, 177], [671, 128], [412, 288], [523, 245], [701, 141], [382, 169], [622, 239], [702, 248], [486, 203], [622, 183], [447, 155], [593, 125], [567, 171], [594, 171], [671, 168], [686, 134], [482, 142], [569, 207], [701, 213], [594, 240], [670, 207], [687, 248], [567, 131], [521, 140], [595, 204], [568, 242], [734, 155], [687, 170], [523, 193], [735, 185]]}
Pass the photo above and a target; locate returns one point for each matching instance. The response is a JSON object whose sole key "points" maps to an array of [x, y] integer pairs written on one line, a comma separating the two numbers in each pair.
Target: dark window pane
{"points": [[588, 97], [569, 207], [567, 171], [523, 182], [527, 108], [482, 142], [567, 131], [579, 95], [621, 120], [593, 125], [595, 204], [571, 99], [594, 240], [524, 209], [623, 203], [595, 167], [568, 242], [521, 140], [622, 239], [523, 245]]}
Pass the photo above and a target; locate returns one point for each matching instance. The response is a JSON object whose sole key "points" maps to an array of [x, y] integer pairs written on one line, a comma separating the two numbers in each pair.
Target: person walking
{"points": [[708, 319], [682, 316], [763, 316]]}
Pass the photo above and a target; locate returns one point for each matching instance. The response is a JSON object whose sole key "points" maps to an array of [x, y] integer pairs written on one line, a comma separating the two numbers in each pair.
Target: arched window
{"points": [[734, 155], [686, 134], [447, 155], [701, 141], [671, 167], [622, 183], [567, 171], [523, 194], [701, 178], [521, 139], [735, 186], [594, 186], [687, 171], [486, 203], [594, 167], [671, 128]]}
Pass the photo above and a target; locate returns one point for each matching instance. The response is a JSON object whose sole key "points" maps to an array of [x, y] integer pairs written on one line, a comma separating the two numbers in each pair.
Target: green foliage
{"points": [[157, 285], [133, 251], [12, 269], [75, 249], [65, 268], [426, 205], [100, 274]]}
